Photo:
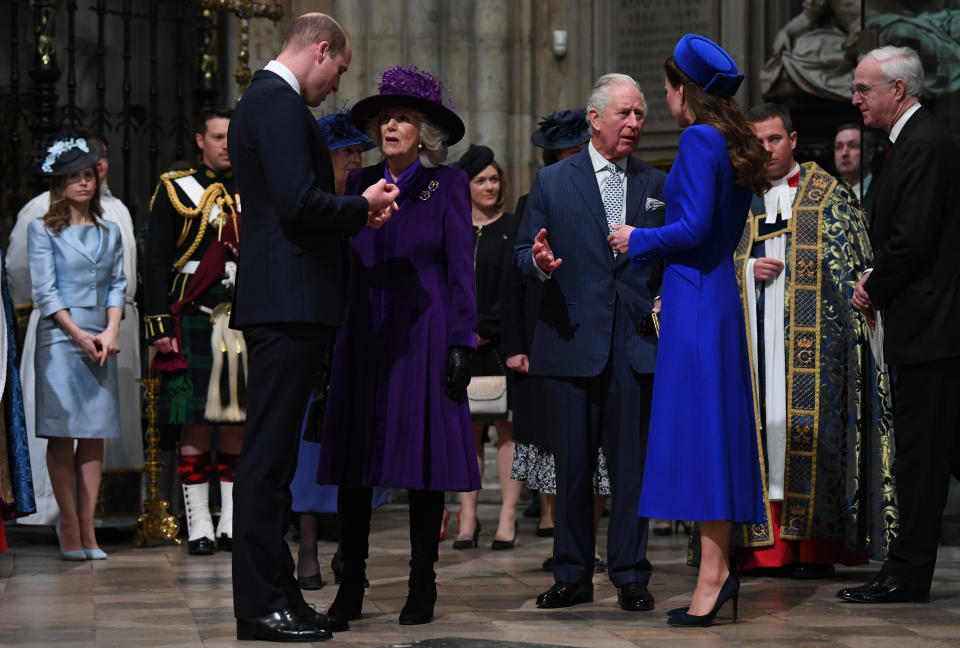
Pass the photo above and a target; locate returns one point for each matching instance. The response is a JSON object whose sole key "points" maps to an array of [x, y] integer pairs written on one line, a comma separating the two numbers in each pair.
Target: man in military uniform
{"points": [[189, 263], [824, 417]]}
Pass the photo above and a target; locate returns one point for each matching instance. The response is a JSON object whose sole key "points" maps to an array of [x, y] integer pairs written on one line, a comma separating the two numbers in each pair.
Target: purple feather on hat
{"points": [[414, 82]]}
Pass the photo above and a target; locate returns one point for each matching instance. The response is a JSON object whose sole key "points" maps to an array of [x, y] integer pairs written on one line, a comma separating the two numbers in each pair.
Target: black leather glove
{"points": [[458, 370]]}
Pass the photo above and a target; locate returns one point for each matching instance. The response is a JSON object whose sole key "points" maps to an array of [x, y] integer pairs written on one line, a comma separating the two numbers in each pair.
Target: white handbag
{"points": [[487, 394]]}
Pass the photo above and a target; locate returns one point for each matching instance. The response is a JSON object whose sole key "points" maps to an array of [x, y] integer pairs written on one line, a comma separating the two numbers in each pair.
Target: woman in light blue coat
{"points": [[76, 269]]}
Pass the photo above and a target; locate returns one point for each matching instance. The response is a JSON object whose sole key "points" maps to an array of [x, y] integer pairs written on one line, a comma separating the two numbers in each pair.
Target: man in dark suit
{"points": [[913, 294], [290, 296], [594, 341]]}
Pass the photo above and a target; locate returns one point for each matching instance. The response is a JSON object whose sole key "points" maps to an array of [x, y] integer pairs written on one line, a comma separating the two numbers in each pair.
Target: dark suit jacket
{"points": [[293, 226], [916, 238], [575, 325]]}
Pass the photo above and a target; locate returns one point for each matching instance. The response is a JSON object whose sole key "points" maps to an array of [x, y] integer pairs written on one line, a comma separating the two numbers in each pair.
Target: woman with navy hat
{"points": [[703, 355], [397, 414], [76, 272], [315, 504]]}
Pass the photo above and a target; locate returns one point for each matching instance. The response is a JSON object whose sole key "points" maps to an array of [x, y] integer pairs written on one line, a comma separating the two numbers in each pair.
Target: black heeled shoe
{"points": [[469, 543], [500, 545], [729, 591]]}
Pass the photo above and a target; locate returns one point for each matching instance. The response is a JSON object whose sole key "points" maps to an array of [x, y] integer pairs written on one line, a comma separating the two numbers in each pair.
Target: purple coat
{"points": [[410, 296]]}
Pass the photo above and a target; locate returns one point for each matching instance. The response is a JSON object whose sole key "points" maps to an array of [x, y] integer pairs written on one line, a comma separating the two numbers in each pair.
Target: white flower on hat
{"points": [[60, 147]]}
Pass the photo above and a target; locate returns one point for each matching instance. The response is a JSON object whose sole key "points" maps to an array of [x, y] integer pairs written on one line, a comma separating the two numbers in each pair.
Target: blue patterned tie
{"points": [[612, 196]]}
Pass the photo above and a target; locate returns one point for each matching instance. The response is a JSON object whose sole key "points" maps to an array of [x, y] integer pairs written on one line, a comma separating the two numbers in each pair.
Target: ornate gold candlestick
{"points": [[155, 523], [244, 10]]}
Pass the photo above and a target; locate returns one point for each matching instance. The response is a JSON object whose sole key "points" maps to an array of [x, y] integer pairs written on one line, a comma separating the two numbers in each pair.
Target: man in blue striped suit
{"points": [[594, 341]]}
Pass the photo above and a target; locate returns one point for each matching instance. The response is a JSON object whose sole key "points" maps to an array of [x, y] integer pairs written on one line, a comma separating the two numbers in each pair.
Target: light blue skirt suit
{"points": [[80, 269]]}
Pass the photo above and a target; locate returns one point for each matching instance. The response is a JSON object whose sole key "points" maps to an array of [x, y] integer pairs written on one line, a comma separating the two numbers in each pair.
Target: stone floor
{"points": [[160, 596]]}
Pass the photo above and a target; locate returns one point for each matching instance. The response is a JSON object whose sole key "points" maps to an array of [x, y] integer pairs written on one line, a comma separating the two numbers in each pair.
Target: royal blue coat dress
{"points": [[702, 461], [410, 297]]}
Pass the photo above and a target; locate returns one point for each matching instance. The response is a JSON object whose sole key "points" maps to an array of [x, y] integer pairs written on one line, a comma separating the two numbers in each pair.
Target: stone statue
{"points": [[815, 52], [936, 37]]}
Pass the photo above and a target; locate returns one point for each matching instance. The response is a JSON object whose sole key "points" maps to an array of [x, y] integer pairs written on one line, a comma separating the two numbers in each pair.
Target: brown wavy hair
{"points": [[747, 155], [58, 216]]}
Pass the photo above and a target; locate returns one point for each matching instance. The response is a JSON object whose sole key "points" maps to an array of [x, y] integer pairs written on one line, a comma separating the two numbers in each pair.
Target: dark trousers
{"points": [[926, 422], [426, 515], [282, 361], [612, 410]]}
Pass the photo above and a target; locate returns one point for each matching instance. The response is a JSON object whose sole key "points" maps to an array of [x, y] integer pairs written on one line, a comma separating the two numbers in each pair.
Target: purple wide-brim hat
{"points": [[708, 65], [416, 89]]}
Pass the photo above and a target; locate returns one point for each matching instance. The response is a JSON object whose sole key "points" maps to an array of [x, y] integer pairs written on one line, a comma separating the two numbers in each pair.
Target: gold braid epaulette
{"points": [[215, 194]]}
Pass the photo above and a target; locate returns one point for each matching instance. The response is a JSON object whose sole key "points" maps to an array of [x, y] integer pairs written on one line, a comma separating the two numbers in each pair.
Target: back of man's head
{"points": [[765, 111], [312, 28]]}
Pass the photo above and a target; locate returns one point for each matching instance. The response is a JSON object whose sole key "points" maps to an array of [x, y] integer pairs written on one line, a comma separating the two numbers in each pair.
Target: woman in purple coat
{"points": [[397, 413]]}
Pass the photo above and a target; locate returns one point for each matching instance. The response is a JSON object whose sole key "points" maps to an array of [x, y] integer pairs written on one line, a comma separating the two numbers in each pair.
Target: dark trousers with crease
{"points": [[281, 361], [426, 515], [926, 419], [612, 410]]}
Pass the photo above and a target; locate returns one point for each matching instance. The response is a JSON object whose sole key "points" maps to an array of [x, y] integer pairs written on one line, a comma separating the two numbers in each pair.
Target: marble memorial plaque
{"points": [[644, 34]]}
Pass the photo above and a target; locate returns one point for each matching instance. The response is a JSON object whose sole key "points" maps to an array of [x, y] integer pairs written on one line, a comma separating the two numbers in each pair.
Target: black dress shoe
{"points": [[566, 594], [635, 597], [281, 625], [812, 571], [598, 565], [309, 614], [547, 564], [224, 543], [884, 589], [314, 582], [201, 547], [544, 532]]}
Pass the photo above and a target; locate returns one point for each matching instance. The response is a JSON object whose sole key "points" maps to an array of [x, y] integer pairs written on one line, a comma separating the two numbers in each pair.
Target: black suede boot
{"points": [[426, 511], [354, 507]]}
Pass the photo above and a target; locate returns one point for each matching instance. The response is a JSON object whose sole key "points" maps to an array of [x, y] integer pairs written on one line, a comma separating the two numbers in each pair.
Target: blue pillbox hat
{"points": [[341, 133], [707, 64]]}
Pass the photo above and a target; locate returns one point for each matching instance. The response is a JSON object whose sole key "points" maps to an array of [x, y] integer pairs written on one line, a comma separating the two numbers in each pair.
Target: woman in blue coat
{"points": [[703, 356], [76, 270], [397, 413]]}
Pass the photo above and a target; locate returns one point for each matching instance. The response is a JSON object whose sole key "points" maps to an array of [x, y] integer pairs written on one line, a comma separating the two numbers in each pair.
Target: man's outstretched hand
{"points": [[543, 253], [382, 198]]}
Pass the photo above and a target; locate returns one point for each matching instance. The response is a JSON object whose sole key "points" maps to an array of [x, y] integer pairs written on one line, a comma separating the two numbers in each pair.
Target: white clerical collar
{"points": [[284, 73], [600, 163], [777, 199], [907, 114]]}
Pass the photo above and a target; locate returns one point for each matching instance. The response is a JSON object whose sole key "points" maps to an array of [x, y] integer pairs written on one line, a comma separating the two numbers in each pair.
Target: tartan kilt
{"points": [[183, 394]]}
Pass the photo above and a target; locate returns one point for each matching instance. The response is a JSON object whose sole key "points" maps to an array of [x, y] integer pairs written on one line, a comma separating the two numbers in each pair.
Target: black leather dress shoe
{"points": [[224, 543], [884, 589], [566, 594], [281, 625], [332, 624], [635, 597], [201, 547]]}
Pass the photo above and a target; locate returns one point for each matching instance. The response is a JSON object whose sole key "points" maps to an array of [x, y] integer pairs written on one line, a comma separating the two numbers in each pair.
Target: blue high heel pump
{"points": [[729, 591], [68, 555]]}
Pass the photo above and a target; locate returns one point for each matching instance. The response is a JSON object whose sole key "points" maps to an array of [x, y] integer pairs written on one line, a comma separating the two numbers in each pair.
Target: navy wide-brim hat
{"points": [[341, 133], [416, 89], [67, 152], [707, 65], [562, 130]]}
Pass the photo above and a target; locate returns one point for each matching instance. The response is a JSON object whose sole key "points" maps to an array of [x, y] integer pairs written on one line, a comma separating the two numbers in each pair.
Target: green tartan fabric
{"points": [[183, 394]]}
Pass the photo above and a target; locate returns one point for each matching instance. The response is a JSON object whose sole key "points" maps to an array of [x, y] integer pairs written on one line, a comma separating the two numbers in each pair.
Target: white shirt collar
{"points": [[600, 163], [907, 114], [284, 73], [779, 197]]}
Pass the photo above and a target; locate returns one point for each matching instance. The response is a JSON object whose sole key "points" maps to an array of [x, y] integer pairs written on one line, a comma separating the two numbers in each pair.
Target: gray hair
{"points": [[901, 63], [599, 97], [433, 139]]}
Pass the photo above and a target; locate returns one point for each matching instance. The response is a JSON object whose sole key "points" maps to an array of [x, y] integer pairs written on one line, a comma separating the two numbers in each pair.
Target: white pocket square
{"points": [[653, 204]]}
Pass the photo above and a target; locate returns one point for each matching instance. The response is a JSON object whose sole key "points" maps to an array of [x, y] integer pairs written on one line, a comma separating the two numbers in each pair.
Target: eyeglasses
{"points": [[864, 90]]}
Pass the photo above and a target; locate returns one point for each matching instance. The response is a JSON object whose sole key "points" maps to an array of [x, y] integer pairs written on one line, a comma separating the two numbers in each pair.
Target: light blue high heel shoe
{"points": [[94, 554], [79, 554]]}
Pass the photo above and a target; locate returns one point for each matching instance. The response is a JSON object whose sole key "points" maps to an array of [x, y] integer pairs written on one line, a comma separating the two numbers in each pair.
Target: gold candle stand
{"points": [[155, 523]]}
